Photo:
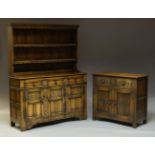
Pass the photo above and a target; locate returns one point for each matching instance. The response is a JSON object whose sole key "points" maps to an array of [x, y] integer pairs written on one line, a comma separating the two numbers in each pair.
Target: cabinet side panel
{"points": [[15, 100], [141, 99], [11, 50], [94, 98]]}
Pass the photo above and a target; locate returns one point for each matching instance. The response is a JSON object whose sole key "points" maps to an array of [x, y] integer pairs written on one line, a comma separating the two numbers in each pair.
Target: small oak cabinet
{"points": [[45, 84], [120, 97]]}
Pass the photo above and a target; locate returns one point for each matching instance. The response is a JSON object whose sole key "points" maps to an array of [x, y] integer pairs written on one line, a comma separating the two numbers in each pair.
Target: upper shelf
{"points": [[44, 45], [43, 61]]}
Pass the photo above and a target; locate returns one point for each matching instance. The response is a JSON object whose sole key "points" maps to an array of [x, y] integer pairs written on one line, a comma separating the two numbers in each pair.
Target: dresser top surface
{"points": [[43, 75], [118, 74], [35, 26]]}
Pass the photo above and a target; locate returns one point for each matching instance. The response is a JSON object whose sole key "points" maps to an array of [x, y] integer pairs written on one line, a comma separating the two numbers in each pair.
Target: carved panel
{"points": [[74, 97], [33, 103], [103, 101], [57, 101]]}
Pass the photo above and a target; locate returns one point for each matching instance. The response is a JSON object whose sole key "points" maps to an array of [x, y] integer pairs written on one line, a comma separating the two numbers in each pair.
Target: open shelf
{"points": [[43, 61], [43, 45]]}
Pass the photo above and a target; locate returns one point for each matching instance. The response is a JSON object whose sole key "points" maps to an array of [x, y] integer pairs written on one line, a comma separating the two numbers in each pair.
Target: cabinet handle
{"points": [[102, 81], [123, 84]]}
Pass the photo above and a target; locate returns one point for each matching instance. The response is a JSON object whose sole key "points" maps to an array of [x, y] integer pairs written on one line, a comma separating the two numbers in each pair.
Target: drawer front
{"points": [[123, 83], [39, 83], [75, 91], [103, 81], [56, 82], [76, 80]]}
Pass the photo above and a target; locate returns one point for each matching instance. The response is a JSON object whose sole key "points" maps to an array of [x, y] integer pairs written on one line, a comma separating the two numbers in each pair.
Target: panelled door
{"points": [[75, 91], [33, 95], [56, 97], [102, 91], [123, 106]]}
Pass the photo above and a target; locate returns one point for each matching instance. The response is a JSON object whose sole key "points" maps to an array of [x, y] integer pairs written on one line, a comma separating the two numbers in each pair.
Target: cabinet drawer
{"points": [[76, 80], [32, 84], [39, 83], [103, 81], [75, 91], [124, 83], [56, 82]]}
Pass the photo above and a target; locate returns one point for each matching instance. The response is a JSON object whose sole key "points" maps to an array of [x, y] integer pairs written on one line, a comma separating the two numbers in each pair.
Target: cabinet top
{"points": [[117, 74], [22, 76], [42, 26]]}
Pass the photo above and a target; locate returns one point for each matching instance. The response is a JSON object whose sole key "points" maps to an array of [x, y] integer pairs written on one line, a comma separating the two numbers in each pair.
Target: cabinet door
{"points": [[33, 107], [56, 97], [123, 106], [75, 95], [102, 93], [56, 101]]}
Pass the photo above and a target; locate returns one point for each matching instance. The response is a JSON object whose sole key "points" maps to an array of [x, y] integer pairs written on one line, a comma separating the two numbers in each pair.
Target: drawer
{"points": [[103, 81], [56, 82], [124, 83], [32, 84], [76, 80], [40, 83], [75, 91]]}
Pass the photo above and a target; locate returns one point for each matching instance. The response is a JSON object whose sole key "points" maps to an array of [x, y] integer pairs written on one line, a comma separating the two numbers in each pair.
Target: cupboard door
{"points": [[103, 106], [123, 106], [74, 99], [56, 97], [56, 101], [102, 93], [33, 106]]}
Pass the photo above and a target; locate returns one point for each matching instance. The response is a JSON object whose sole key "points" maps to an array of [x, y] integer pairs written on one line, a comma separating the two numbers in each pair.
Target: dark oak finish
{"points": [[45, 84], [120, 97]]}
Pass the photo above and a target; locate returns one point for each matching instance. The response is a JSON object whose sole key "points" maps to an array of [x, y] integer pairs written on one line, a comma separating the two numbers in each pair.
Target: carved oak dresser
{"points": [[45, 84], [120, 97]]}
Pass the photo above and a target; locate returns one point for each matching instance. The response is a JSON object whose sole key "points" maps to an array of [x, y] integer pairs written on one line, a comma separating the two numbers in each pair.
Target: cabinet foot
{"points": [[12, 124], [25, 128], [145, 121], [135, 125]]}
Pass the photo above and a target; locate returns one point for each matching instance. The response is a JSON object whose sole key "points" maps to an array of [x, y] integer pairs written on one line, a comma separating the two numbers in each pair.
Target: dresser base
{"points": [[34, 124], [133, 124]]}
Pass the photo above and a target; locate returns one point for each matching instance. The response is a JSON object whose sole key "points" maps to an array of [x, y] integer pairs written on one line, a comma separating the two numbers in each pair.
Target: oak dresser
{"points": [[45, 84]]}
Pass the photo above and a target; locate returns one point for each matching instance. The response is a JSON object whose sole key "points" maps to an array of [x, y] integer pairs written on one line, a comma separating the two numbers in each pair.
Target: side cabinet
{"points": [[116, 98], [35, 101]]}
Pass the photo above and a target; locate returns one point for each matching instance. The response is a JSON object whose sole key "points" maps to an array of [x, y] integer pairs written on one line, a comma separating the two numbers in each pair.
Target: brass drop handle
{"points": [[102, 81], [123, 83], [42, 98]]}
